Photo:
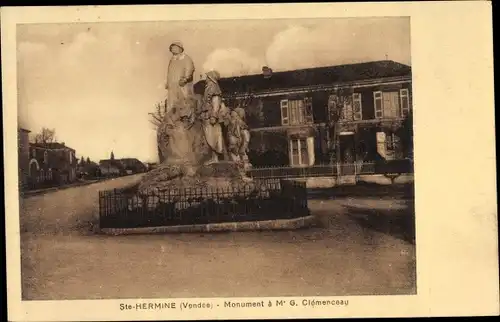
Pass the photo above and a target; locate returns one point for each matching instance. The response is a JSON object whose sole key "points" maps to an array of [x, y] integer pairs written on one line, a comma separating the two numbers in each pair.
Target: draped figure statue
{"points": [[213, 113]]}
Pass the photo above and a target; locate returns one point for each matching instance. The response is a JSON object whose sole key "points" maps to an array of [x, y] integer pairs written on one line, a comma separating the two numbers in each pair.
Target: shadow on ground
{"points": [[399, 223], [363, 189]]}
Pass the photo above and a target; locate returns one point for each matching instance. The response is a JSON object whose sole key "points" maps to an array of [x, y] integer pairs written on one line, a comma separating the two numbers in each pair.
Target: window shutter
{"points": [[309, 110], [405, 104], [356, 106], [284, 112], [377, 104]]}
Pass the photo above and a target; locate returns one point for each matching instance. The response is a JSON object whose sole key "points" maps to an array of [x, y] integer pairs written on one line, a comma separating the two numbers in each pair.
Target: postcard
{"points": [[187, 162]]}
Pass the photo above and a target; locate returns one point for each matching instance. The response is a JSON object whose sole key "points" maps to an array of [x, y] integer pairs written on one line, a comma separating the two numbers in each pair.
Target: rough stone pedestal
{"points": [[220, 175]]}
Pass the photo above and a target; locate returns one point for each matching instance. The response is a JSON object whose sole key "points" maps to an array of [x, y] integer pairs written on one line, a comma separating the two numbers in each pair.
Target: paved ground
{"points": [[361, 246]]}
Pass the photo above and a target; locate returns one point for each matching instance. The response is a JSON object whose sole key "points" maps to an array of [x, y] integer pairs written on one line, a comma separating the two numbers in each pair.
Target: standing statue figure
{"points": [[213, 113], [238, 137], [179, 85]]}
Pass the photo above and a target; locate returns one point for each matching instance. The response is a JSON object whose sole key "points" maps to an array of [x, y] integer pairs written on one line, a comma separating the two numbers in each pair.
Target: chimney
{"points": [[267, 72]]}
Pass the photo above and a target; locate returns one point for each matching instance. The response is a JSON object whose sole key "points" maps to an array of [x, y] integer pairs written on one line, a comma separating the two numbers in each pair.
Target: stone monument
{"points": [[190, 138]]}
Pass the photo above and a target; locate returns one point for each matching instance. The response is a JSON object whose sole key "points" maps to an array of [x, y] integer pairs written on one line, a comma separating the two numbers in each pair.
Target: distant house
{"points": [[132, 165], [51, 164], [111, 167], [89, 170], [116, 167], [290, 113]]}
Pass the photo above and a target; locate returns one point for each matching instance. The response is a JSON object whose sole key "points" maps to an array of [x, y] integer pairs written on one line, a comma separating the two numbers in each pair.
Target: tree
{"points": [[88, 160], [45, 135], [112, 156], [405, 133], [159, 114], [82, 161], [253, 107], [338, 99]]}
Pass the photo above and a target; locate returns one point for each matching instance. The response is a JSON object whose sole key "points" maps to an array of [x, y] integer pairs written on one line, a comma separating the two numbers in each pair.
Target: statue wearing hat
{"points": [[179, 85]]}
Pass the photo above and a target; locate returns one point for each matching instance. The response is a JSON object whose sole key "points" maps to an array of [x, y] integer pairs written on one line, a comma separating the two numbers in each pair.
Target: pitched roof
{"points": [[131, 162], [311, 77], [111, 163], [51, 146]]}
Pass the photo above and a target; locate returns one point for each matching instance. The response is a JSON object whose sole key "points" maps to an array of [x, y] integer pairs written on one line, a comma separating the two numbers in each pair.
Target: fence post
{"points": [[100, 208]]}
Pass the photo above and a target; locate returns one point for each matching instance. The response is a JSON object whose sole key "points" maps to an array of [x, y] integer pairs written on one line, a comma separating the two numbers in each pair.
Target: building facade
{"points": [[117, 167], [348, 113], [23, 156], [51, 164], [111, 168]]}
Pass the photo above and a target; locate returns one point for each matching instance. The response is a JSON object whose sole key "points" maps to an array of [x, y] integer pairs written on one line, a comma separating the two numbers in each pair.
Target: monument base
{"points": [[219, 175]]}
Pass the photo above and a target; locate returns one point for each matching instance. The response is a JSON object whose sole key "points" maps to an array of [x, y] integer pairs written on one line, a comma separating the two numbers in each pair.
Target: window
{"points": [[405, 102], [334, 108], [350, 111], [389, 146], [308, 110], [347, 114], [392, 146], [294, 112], [356, 106], [298, 151], [391, 104], [33, 153], [386, 105], [45, 157]]}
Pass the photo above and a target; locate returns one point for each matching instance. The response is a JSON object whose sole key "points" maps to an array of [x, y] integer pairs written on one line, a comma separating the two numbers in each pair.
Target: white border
{"points": [[457, 244]]}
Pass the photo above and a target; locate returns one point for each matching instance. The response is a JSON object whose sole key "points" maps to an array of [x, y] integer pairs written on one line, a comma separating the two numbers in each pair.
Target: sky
{"points": [[95, 83]]}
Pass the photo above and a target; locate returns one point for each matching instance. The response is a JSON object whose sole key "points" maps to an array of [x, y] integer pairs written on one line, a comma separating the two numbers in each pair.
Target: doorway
{"points": [[347, 148]]}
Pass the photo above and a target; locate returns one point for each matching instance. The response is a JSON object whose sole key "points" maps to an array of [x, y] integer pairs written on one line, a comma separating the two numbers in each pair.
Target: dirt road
{"points": [[349, 253]]}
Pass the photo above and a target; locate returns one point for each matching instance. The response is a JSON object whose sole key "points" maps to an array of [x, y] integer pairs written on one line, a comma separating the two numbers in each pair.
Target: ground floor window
{"points": [[389, 145], [301, 151]]}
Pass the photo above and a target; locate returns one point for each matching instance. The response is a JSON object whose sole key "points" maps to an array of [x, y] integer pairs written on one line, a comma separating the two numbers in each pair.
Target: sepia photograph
{"points": [[280, 150], [232, 161]]}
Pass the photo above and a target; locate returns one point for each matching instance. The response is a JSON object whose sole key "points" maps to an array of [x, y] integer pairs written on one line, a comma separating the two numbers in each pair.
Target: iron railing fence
{"points": [[260, 200], [339, 169]]}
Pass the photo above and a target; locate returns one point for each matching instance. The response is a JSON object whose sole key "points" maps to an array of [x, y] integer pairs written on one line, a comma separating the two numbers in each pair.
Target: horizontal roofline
{"points": [[317, 88], [314, 69], [40, 146]]}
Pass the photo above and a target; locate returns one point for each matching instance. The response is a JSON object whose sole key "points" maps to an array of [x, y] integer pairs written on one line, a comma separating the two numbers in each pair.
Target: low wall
{"points": [[383, 180], [330, 182]]}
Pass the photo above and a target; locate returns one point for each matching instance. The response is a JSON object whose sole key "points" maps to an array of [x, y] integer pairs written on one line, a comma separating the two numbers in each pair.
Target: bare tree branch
{"points": [[158, 115], [45, 135], [337, 101]]}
